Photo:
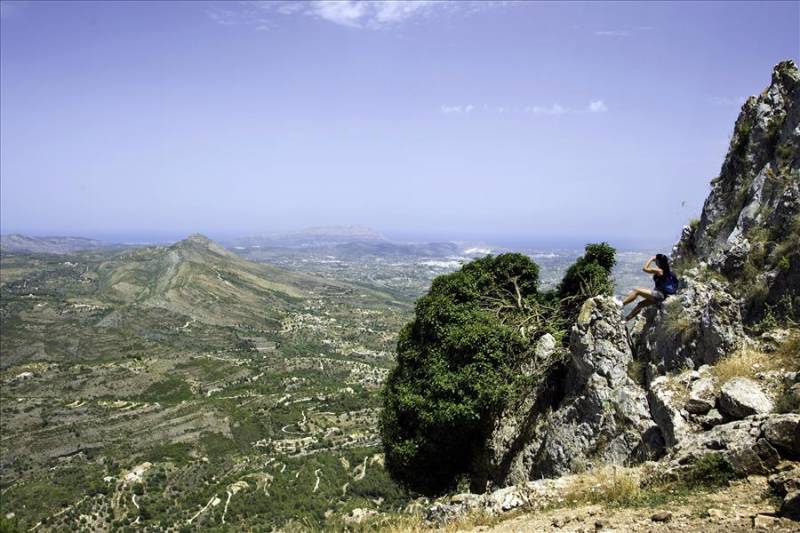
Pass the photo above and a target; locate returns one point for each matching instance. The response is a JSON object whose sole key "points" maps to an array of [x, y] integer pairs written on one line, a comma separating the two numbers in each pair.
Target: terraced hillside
{"points": [[183, 386]]}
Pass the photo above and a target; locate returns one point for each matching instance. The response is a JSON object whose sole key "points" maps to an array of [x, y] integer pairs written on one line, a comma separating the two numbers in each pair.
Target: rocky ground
{"points": [[745, 505]]}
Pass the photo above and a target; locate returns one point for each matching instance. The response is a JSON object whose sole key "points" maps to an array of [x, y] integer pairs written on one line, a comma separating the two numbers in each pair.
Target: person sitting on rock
{"points": [[665, 281]]}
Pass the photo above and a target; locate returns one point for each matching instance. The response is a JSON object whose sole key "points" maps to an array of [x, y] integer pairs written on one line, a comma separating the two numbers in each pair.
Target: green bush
{"points": [[710, 470], [10, 525], [589, 276], [458, 361]]}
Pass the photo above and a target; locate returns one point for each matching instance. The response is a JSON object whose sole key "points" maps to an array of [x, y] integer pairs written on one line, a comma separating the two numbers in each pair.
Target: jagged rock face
{"points": [[604, 415], [699, 325], [750, 225], [666, 412], [513, 430]]}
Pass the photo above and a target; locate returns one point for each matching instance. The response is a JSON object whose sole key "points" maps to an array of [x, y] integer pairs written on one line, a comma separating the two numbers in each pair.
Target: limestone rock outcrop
{"points": [[749, 229], [698, 326], [603, 416]]}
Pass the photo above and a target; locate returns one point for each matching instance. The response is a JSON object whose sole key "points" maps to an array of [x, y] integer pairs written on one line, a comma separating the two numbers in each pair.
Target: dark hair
{"points": [[663, 263]]}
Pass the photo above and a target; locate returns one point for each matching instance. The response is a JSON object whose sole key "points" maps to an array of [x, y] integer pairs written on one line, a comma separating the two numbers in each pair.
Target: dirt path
{"points": [[201, 511], [316, 485], [737, 508]]}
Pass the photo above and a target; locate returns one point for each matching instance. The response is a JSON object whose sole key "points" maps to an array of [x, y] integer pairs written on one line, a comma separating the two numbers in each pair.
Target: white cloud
{"points": [[622, 32], [594, 106], [369, 14], [554, 109], [345, 12], [597, 106], [612, 33], [453, 109], [232, 14]]}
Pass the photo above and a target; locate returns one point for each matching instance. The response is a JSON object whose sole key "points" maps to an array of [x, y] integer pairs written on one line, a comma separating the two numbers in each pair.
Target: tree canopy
{"points": [[459, 359]]}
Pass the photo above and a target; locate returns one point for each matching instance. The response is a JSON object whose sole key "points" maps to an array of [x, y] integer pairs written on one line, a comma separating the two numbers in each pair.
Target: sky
{"points": [[531, 122]]}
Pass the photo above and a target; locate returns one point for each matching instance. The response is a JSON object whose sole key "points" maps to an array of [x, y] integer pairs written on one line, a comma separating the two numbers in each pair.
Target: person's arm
{"points": [[651, 269]]}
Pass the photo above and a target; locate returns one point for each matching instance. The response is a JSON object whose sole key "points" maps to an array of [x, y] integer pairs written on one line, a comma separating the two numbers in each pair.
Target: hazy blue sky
{"points": [[526, 121]]}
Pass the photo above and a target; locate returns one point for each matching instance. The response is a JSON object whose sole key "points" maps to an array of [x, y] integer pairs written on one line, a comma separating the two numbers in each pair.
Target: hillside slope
{"points": [[201, 280], [50, 245], [140, 385]]}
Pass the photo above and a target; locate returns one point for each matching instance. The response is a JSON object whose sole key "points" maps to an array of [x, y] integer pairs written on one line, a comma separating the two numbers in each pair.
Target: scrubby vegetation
{"points": [[589, 276], [748, 362], [459, 360]]}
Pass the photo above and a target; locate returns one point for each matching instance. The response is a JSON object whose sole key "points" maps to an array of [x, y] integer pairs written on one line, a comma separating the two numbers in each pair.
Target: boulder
{"points": [[702, 396], [716, 440], [441, 513], [711, 419], [747, 457], [535, 494], [783, 433], [785, 482], [746, 445], [545, 347], [741, 397], [764, 521], [790, 508], [505, 499]]}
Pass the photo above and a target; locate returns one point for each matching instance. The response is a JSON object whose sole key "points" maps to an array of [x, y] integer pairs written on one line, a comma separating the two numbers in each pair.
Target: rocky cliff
{"points": [[749, 230], [714, 370]]}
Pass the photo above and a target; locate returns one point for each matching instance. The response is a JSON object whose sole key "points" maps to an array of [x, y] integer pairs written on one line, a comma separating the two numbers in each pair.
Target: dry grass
{"points": [[412, 523], [678, 384], [480, 518], [605, 485], [675, 322], [748, 362], [745, 363], [789, 352]]}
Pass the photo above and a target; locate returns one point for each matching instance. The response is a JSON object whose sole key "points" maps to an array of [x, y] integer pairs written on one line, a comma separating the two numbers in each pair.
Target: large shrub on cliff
{"points": [[458, 361], [589, 276]]}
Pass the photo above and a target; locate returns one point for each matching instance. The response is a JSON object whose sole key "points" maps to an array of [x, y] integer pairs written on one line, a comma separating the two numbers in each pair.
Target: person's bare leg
{"points": [[638, 291], [638, 309], [630, 297]]}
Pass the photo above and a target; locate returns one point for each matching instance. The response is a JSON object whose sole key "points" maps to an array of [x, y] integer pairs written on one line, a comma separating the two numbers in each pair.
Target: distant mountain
{"points": [[314, 236], [350, 242], [49, 245], [386, 248], [198, 278]]}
